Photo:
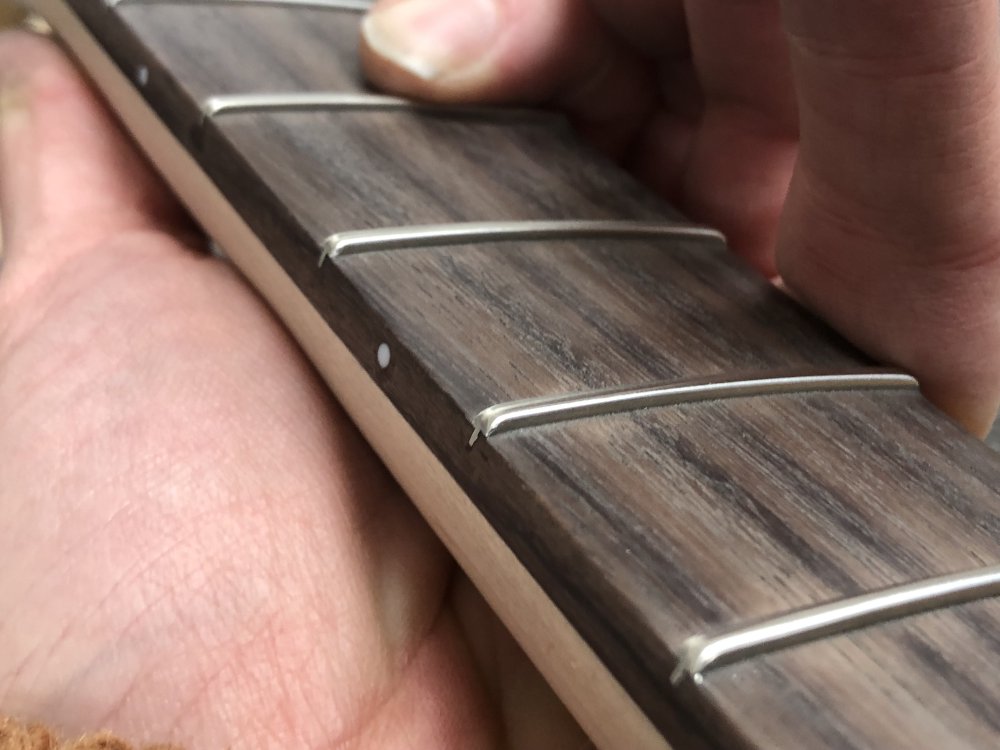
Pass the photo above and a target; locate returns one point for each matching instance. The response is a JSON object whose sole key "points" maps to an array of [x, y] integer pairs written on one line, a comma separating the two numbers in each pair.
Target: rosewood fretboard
{"points": [[647, 527]]}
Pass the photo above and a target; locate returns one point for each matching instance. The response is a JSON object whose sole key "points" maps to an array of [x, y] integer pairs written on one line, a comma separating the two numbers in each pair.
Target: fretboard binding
{"points": [[351, 6], [700, 654], [535, 412], [465, 233], [337, 101]]}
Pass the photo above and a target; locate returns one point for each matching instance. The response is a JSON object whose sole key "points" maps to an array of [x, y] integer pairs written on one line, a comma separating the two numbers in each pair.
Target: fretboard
{"points": [[680, 451]]}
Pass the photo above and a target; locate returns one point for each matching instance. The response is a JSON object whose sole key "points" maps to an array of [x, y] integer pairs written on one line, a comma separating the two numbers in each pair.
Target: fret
{"points": [[352, 6], [300, 102], [699, 654], [437, 235], [533, 412], [335, 101]]}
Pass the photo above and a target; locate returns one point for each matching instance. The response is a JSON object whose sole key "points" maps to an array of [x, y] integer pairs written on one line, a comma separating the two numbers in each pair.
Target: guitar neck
{"points": [[665, 447]]}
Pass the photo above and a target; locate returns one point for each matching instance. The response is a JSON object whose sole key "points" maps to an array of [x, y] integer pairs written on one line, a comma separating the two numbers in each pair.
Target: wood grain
{"points": [[646, 528], [909, 684]]}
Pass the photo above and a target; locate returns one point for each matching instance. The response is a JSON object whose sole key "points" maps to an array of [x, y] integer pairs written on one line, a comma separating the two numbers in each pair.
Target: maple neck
{"points": [[666, 445]]}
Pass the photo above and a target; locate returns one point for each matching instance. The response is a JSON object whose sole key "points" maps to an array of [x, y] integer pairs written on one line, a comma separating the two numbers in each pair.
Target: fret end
{"points": [[681, 674], [692, 661], [334, 246], [486, 423], [713, 233], [324, 254], [210, 108]]}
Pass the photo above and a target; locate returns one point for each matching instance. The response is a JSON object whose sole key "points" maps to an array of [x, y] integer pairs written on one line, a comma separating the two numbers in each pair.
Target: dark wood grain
{"points": [[645, 528], [909, 684]]}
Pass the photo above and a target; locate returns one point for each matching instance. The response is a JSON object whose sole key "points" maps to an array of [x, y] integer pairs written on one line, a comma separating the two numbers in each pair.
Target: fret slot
{"points": [[534, 412], [699, 654], [436, 235], [351, 6], [336, 101]]}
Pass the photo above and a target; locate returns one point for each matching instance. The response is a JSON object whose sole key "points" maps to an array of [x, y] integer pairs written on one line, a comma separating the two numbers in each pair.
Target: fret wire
{"points": [[351, 6], [299, 101], [700, 654], [534, 412], [462, 233], [335, 101]]}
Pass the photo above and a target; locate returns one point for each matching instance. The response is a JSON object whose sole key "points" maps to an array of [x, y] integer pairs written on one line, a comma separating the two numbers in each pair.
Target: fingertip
{"points": [[976, 412], [939, 324], [555, 53], [891, 228], [432, 49]]}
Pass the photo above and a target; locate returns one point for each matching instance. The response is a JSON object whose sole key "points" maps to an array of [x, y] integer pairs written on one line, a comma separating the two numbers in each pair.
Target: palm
{"points": [[198, 545]]}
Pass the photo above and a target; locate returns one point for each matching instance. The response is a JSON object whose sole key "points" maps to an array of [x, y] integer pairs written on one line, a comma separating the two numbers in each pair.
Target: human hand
{"points": [[198, 547], [852, 146]]}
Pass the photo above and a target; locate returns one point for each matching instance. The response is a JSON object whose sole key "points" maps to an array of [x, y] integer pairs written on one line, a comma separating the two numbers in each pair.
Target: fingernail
{"points": [[432, 38]]}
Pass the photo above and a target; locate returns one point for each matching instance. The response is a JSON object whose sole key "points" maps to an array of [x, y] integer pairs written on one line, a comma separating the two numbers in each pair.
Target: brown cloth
{"points": [[17, 736]]}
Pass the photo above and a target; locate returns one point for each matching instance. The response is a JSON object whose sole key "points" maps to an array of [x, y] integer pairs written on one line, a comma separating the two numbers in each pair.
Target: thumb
{"points": [[534, 51]]}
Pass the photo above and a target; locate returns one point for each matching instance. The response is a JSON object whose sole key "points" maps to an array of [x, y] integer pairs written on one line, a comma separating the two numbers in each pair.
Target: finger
{"points": [[68, 177], [741, 160], [534, 51], [893, 223]]}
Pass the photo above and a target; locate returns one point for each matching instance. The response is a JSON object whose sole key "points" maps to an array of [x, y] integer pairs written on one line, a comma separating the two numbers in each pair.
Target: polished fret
{"points": [[336, 101], [304, 101], [700, 654], [352, 6], [436, 235], [533, 412]]}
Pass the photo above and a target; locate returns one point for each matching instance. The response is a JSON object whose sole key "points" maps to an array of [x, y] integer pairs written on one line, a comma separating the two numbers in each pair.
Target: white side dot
{"points": [[142, 75], [384, 355]]}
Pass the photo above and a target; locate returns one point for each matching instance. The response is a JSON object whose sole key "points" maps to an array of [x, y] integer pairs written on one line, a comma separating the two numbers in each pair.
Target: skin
{"points": [[196, 555], [191, 554], [851, 146]]}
